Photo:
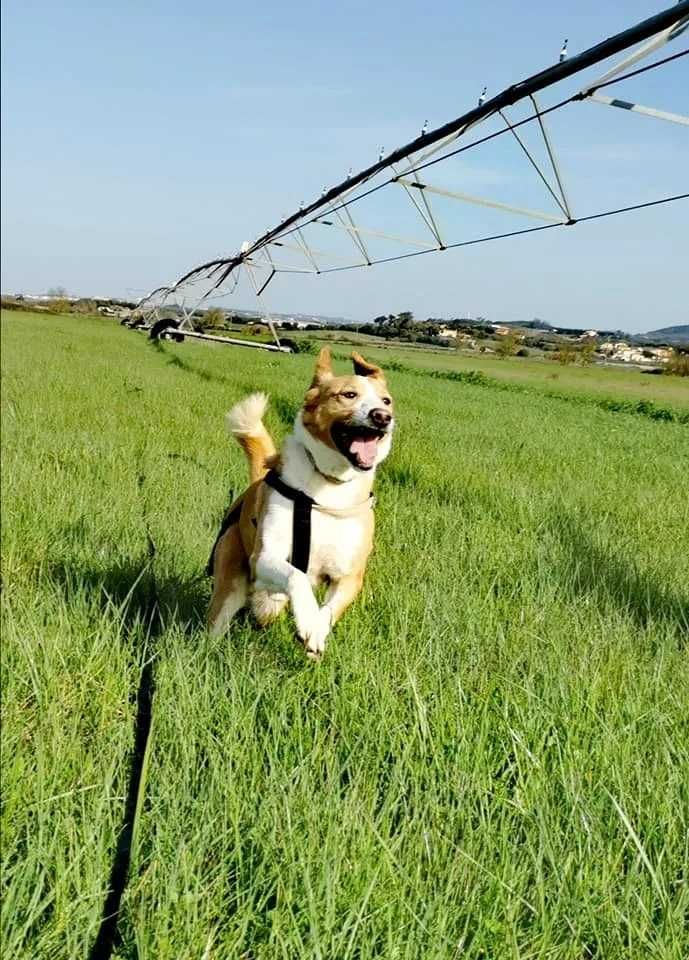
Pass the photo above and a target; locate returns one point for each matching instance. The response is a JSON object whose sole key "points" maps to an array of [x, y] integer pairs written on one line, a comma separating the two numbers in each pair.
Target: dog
{"points": [[307, 516]]}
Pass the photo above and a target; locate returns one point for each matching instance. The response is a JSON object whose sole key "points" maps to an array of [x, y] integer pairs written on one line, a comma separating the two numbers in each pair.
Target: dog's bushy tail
{"points": [[245, 423]]}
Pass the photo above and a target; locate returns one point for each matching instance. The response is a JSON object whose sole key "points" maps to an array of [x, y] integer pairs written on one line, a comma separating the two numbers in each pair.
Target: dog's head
{"points": [[352, 414]]}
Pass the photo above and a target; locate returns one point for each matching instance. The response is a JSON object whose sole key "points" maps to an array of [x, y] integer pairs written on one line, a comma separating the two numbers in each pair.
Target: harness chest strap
{"points": [[301, 516], [301, 519]]}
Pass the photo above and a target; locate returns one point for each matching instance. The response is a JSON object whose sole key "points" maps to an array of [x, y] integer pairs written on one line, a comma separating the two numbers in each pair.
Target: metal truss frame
{"points": [[406, 169]]}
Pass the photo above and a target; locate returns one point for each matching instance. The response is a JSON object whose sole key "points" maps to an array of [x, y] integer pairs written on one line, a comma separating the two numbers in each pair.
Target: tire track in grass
{"points": [[108, 936]]}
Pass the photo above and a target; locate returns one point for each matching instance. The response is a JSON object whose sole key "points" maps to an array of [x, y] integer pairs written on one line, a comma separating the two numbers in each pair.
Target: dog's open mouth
{"points": [[358, 444]]}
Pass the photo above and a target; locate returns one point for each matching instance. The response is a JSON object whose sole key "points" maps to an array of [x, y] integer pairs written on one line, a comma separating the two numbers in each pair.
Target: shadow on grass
{"points": [[147, 605], [151, 601], [592, 569]]}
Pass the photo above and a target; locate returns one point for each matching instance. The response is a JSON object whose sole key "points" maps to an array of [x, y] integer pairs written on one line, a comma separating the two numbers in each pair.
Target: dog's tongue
{"points": [[365, 449]]}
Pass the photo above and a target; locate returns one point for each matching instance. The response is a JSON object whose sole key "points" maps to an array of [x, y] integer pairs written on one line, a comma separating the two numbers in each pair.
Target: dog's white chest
{"points": [[336, 545]]}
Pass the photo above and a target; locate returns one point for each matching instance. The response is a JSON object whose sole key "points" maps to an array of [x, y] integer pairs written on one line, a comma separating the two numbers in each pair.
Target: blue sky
{"points": [[140, 139]]}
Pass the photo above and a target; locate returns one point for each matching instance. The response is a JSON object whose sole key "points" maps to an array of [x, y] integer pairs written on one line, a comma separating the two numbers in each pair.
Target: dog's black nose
{"points": [[381, 418]]}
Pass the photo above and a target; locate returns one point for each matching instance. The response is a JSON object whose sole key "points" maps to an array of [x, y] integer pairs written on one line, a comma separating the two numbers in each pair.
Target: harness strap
{"points": [[301, 519], [229, 520]]}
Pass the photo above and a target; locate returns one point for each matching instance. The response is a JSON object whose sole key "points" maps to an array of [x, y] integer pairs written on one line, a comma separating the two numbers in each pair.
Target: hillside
{"points": [[676, 334]]}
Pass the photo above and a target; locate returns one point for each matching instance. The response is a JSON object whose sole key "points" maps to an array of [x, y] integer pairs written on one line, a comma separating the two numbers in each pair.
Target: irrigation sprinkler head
{"points": [[482, 97], [563, 52], [424, 128]]}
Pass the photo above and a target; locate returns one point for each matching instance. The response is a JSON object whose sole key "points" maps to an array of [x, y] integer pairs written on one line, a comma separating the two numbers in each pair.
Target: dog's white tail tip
{"points": [[245, 418]]}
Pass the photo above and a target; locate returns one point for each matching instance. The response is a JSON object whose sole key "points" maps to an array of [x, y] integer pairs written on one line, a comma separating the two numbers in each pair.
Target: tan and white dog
{"points": [[340, 435]]}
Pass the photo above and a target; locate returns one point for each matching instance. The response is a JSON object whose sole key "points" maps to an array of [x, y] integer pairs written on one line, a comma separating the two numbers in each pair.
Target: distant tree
{"points": [[586, 353], [302, 345], [381, 320], [85, 305], [213, 319], [507, 346], [59, 305], [565, 355], [678, 364], [56, 292]]}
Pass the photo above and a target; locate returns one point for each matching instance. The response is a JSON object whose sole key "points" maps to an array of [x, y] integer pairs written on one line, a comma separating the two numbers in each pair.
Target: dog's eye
{"points": [[387, 401], [350, 394]]}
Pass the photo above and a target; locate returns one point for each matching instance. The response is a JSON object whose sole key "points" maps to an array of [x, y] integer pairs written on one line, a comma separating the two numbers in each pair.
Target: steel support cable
{"points": [[551, 155], [423, 166], [519, 91], [400, 179], [533, 163], [574, 98], [425, 201], [518, 233], [632, 73], [214, 266]]}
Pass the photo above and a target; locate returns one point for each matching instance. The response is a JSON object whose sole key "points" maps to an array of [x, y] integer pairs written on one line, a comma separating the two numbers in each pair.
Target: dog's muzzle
{"points": [[357, 440]]}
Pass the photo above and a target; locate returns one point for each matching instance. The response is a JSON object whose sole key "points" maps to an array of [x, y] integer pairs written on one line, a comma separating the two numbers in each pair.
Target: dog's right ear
{"points": [[324, 367], [365, 369]]}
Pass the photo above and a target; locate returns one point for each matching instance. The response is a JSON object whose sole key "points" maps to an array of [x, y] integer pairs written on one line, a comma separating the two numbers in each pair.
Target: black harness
{"points": [[301, 522], [301, 519]]}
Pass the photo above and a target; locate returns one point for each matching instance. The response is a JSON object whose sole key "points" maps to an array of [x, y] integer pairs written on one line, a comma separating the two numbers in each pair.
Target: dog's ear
{"points": [[365, 369], [324, 367]]}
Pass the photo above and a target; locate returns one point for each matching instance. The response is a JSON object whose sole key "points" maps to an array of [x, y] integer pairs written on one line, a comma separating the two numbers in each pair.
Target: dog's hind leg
{"points": [[225, 604], [231, 587]]}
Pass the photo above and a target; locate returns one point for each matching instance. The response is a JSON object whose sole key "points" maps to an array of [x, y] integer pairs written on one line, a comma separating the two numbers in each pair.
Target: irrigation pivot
{"points": [[396, 208]]}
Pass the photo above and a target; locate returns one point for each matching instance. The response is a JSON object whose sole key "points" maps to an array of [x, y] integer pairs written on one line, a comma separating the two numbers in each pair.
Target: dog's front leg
{"points": [[341, 594], [278, 575]]}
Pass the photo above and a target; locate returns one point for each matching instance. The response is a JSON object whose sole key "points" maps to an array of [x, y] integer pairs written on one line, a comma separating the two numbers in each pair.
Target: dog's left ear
{"points": [[365, 369], [324, 367]]}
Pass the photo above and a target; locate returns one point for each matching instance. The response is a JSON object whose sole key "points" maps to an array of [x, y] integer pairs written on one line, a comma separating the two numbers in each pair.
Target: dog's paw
{"points": [[315, 635]]}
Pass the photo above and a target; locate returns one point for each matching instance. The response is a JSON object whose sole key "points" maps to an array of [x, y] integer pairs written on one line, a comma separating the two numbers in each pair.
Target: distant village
{"points": [[619, 351]]}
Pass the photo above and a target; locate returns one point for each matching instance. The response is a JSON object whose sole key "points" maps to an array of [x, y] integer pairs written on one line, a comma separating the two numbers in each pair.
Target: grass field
{"points": [[612, 382], [492, 760], [598, 382]]}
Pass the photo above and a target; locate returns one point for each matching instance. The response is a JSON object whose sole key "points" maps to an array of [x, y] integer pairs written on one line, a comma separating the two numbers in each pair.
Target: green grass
{"points": [[608, 382], [492, 761]]}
